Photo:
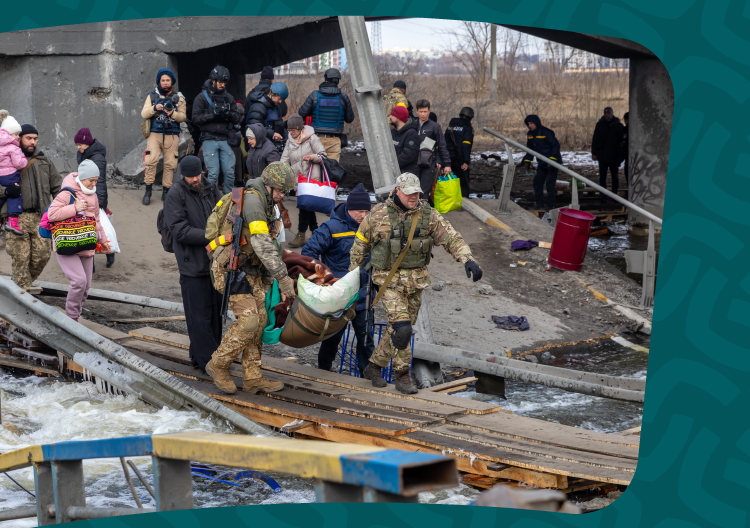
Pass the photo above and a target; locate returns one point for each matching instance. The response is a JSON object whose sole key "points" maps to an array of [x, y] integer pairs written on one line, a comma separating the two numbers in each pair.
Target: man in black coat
{"points": [[329, 108], [405, 140], [266, 80], [542, 140], [429, 129], [215, 111], [624, 145], [188, 205], [605, 148], [459, 138]]}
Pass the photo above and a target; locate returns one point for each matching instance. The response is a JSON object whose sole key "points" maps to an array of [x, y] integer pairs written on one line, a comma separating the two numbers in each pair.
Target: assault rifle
{"points": [[233, 274], [368, 302]]}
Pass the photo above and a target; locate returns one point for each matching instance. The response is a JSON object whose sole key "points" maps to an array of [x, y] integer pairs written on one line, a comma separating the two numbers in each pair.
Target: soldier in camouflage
{"points": [[385, 231], [396, 97], [260, 258]]}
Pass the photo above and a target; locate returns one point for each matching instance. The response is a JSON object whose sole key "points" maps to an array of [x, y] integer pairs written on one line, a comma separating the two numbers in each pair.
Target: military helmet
{"points": [[219, 73], [331, 74], [466, 112], [280, 175]]}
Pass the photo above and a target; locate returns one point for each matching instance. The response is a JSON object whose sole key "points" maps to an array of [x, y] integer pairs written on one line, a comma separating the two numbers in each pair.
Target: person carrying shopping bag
{"points": [[76, 229]]}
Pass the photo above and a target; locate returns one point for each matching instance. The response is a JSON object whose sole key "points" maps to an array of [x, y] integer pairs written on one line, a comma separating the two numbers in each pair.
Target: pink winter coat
{"points": [[62, 209], [11, 155]]}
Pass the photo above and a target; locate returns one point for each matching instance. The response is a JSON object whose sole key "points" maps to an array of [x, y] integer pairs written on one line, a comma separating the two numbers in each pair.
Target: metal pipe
{"points": [[142, 479], [498, 369], [18, 513], [577, 176], [130, 483], [49, 325]]}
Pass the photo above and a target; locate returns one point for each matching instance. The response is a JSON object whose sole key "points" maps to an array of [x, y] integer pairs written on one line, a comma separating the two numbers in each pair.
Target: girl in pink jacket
{"points": [[12, 161], [78, 268]]}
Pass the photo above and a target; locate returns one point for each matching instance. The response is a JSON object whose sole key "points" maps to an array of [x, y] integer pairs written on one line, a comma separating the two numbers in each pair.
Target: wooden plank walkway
{"points": [[485, 440]]}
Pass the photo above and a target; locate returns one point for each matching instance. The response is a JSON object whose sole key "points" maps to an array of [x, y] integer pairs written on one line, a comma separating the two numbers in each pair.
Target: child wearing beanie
{"points": [[12, 161]]}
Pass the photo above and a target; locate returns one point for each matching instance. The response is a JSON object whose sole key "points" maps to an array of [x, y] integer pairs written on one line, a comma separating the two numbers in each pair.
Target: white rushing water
{"points": [[42, 411]]}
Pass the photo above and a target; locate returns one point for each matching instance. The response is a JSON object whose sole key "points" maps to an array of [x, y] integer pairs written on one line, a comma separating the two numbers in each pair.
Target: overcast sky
{"points": [[415, 33]]}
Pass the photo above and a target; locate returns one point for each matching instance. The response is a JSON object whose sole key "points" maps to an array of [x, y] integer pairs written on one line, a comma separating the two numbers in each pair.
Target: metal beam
{"points": [[367, 92]]}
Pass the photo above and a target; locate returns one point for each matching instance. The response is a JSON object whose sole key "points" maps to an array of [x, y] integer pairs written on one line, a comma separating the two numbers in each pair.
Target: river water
{"points": [[42, 411]]}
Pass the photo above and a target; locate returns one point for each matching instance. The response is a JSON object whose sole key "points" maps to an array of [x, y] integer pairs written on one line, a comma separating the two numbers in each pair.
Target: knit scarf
{"points": [[84, 189]]}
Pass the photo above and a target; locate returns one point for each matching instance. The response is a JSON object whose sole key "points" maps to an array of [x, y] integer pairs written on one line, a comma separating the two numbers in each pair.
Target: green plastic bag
{"points": [[448, 193], [271, 335]]}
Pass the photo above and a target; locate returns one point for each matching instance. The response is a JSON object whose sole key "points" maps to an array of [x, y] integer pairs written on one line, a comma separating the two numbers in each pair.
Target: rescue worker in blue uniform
{"points": [[329, 108], [542, 140], [331, 244], [459, 138]]}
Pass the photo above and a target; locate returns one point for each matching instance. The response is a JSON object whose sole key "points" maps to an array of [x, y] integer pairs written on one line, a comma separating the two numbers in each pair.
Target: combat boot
{"points": [[147, 197], [221, 378], [164, 191], [375, 374], [299, 240], [403, 382], [254, 386]]}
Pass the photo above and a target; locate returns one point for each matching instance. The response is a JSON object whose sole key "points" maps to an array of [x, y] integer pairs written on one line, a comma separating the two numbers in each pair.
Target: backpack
{"points": [[45, 226], [161, 226]]}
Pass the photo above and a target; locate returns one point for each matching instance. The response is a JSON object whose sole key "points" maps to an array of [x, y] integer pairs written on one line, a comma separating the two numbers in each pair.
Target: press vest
{"points": [[385, 252], [161, 123], [329, 112]]}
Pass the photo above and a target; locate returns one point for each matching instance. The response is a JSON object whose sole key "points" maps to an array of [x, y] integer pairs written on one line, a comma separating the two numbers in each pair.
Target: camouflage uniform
{"points": [[394, 98], [30, 252], [403, 295], [262, 263]]}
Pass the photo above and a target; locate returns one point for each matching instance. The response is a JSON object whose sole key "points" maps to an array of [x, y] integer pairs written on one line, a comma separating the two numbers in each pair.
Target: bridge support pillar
{"points": [[173, 484], [45, 492], [67, 482], [490, 384]]}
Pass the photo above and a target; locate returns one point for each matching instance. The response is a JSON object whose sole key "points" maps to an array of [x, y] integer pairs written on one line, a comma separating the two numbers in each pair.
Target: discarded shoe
{"points": [[403, 382], [254, 386], [298, 241], [221, 378], [375, 374]]}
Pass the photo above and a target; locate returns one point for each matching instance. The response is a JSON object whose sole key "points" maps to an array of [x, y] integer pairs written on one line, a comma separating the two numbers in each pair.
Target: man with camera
{"points": [[215, 112], [165, 109]]}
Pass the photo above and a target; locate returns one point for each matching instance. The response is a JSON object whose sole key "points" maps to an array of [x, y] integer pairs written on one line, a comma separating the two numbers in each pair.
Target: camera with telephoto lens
{"points": [[171, 103], [222, 110]]}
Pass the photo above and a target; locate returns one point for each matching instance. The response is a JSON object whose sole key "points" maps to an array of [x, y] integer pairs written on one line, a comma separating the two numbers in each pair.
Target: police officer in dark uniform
{"points": [[329, 108], [459, 137]]}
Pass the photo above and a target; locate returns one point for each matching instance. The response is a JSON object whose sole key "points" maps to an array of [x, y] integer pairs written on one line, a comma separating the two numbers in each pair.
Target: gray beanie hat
{"points": [[87, 170], [249, 133]]}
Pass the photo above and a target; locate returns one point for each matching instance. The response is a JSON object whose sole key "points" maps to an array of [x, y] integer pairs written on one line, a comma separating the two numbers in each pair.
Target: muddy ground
{"points": [[558, 307]]}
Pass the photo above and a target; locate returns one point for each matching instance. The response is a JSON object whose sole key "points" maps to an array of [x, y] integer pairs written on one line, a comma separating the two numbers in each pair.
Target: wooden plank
{"points": [[292, 359], [8, 361], [264, 403], [41, 356], [347, 395], [635, 431], [534, 448], [295, 426], [453, 389], [533, 462], [450, 384], [162, 336], [533, 430], [351, 382], [168, 319]]}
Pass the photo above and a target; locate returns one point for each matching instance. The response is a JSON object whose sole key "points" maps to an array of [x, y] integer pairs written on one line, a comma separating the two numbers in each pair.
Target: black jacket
{"points": [[97, 153], [605, 144], [432, 130], [407, 147], [327, 88], [543, 141], [187, 223], [461, 130], [211, 125], [257, 113], [262, 86], [624, 144], [263, 154]]}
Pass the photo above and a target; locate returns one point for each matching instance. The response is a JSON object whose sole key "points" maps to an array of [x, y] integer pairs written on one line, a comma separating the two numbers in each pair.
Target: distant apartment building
{"points": [[313, 65], [573, 59]]}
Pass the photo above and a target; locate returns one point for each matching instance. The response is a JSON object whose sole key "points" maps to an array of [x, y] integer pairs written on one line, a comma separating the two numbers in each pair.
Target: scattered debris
{"points": [[566, 311], [458, 308], [438, 286], [523, 244], [547, 358], [486, 289], [531, 359], [511, 322]]}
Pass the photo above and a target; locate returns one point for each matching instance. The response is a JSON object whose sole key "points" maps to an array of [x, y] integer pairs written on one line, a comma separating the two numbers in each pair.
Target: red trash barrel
{"points": [[571, 239]]}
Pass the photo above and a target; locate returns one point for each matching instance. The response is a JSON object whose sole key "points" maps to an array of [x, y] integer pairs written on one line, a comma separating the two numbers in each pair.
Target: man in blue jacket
{"points": [[542, 140], [331, 243]]}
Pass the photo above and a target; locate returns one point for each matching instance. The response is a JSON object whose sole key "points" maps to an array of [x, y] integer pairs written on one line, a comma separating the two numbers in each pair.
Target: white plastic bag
{"points": [[329, 299], [281, 237], [109, 231]]}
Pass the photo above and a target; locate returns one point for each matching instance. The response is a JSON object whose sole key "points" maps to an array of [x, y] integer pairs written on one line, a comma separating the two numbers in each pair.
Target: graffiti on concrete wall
{"points": [[646, 182]]}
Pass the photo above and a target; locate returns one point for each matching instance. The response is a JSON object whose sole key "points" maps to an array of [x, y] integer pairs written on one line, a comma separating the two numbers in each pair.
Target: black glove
{"points": [[13, 191], [473, 268]]}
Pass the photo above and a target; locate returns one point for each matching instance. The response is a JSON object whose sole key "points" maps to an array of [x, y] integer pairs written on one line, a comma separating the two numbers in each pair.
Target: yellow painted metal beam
{"points": [[306, 458], [21, 458]]}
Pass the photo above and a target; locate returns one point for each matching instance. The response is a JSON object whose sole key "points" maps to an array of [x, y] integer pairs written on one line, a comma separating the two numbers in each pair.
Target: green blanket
{"points": [[273, 297]]}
